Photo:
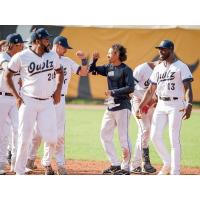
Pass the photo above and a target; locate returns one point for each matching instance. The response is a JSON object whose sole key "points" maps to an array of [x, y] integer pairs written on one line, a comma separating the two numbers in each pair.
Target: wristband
{"points": [[84, 61]]}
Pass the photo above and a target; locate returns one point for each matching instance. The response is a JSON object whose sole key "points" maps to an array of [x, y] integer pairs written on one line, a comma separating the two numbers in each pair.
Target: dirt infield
{"points": [[77, 167]]}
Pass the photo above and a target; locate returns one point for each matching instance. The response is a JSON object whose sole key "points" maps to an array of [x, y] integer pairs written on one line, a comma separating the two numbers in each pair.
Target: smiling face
{"points": [[164, 53], [113, 56]]}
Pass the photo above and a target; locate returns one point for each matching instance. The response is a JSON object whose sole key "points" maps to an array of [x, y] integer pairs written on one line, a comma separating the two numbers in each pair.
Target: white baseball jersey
{"points": [[4, 60], [69, 67], [36, 72], [169, 80], [142, 74]]}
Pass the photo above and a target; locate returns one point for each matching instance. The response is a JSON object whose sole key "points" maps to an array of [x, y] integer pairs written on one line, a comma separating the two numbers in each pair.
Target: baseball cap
{"points": [[167, 44], [62, 41], [14, 38], [39, 34]]}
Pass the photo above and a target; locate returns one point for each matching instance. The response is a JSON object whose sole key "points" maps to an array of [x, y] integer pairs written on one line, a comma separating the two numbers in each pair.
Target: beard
{"points": [[46, 49]]}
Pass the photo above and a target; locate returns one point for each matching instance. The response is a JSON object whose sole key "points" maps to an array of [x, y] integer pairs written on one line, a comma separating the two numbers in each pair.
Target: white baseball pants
{"points": [[60, 149], [119, 119], [170, 112], [34, 111], [143, 135], [8, 110]]}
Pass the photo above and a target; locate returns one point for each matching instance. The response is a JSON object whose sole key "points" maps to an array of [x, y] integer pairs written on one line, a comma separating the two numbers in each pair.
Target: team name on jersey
{"points": [[39, 68], [169, 75], [146, 83]]}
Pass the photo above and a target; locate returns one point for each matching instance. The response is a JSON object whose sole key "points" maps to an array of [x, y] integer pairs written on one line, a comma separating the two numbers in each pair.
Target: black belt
{"points": [[39, 98], [6, 94], [168, 98], [62, 95]]}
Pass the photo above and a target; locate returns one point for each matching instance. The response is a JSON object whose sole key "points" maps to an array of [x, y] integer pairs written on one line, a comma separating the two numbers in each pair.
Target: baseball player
{"points": [[69, 67], [142, 74], [120, 85], [9, 112], [171, 80], [39, 93]]}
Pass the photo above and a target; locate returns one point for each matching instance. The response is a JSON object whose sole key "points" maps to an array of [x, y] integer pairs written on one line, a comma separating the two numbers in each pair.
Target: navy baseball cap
{"points": [[62, 41], [167, 44], [14, 38], [39, 34]]}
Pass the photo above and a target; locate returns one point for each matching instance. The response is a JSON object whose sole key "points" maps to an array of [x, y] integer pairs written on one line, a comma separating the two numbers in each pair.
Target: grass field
{"points": [[83, 143]]}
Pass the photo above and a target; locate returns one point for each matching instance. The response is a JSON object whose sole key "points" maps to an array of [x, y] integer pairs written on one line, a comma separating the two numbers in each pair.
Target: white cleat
{"points": [[164, 171]]}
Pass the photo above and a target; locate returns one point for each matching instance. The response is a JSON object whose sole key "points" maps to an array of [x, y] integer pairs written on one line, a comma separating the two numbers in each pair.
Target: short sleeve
{"points": [[14, 65], [153, 77], [137, 74], [186, 75], [74, 67], [57, 62]]}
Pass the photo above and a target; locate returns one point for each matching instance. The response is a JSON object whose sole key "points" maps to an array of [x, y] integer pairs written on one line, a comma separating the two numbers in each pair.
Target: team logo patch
{"points": [[111, 73]]}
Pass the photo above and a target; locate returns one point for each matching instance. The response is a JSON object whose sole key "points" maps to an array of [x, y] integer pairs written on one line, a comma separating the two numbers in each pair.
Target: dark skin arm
{"points": [[60, 78], [189, 99], [146, 99], [9, 81]]}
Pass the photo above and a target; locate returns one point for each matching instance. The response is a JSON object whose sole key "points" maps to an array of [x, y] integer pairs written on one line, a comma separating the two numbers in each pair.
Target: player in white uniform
{"points": [[69, 67], [39, 93], [9, 112], [171, 80], [141, 75]]}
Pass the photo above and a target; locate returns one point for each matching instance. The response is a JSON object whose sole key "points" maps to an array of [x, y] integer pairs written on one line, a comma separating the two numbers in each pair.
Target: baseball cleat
{"points": [[30, 165], [148, 168], [137, 170], [164, 171], [2, 172], [111, 170], [62, 170], [49, 170], [122, 172]]}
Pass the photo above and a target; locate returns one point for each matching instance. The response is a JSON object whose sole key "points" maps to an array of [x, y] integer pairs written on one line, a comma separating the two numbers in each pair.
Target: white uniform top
{"points": [[142, 74], [69, 67], [4, 60], [169, 80], [37, 73]]}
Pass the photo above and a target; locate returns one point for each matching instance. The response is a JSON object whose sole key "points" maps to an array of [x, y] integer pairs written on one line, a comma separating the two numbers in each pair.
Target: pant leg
{"points": [[175, 120], [106, 135], [5, 104], [27, 118], [122, 119], [159, 121], [143, 135], [35, 143], [48, 130], [13, 114], [60, 146]]}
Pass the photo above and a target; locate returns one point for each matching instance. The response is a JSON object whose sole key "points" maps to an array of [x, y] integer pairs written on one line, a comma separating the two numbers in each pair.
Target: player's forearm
{"points": [[60, 79], [122, 91], [188, 93], [147, 97], [10, 84], [83, 71]]}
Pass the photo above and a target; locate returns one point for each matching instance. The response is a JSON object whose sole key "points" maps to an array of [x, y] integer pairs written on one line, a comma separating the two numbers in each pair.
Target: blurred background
{"points": [[139, 41]]}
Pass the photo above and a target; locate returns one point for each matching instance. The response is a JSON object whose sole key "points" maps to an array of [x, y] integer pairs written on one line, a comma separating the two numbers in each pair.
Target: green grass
{"points": [[83, 142]]}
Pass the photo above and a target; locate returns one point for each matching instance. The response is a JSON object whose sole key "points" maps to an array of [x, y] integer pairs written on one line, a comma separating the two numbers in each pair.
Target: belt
{"points": [[62, 95], [168, 98], [6, 94]]}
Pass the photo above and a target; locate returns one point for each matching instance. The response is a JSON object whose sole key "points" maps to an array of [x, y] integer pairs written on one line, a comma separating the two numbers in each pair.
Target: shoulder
{"points": [[180, 64], [127, 68], [66, 60], [52, 54]]}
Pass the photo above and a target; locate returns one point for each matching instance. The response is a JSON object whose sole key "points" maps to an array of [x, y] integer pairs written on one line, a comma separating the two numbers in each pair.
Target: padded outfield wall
{"points": [[140, 43]]}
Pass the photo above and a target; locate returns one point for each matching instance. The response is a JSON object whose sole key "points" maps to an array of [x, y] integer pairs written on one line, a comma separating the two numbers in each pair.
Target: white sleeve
{"points": [[137, 74], [57, 62], [74, 66], [186, 75], [15, 64], [153, 77]]}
